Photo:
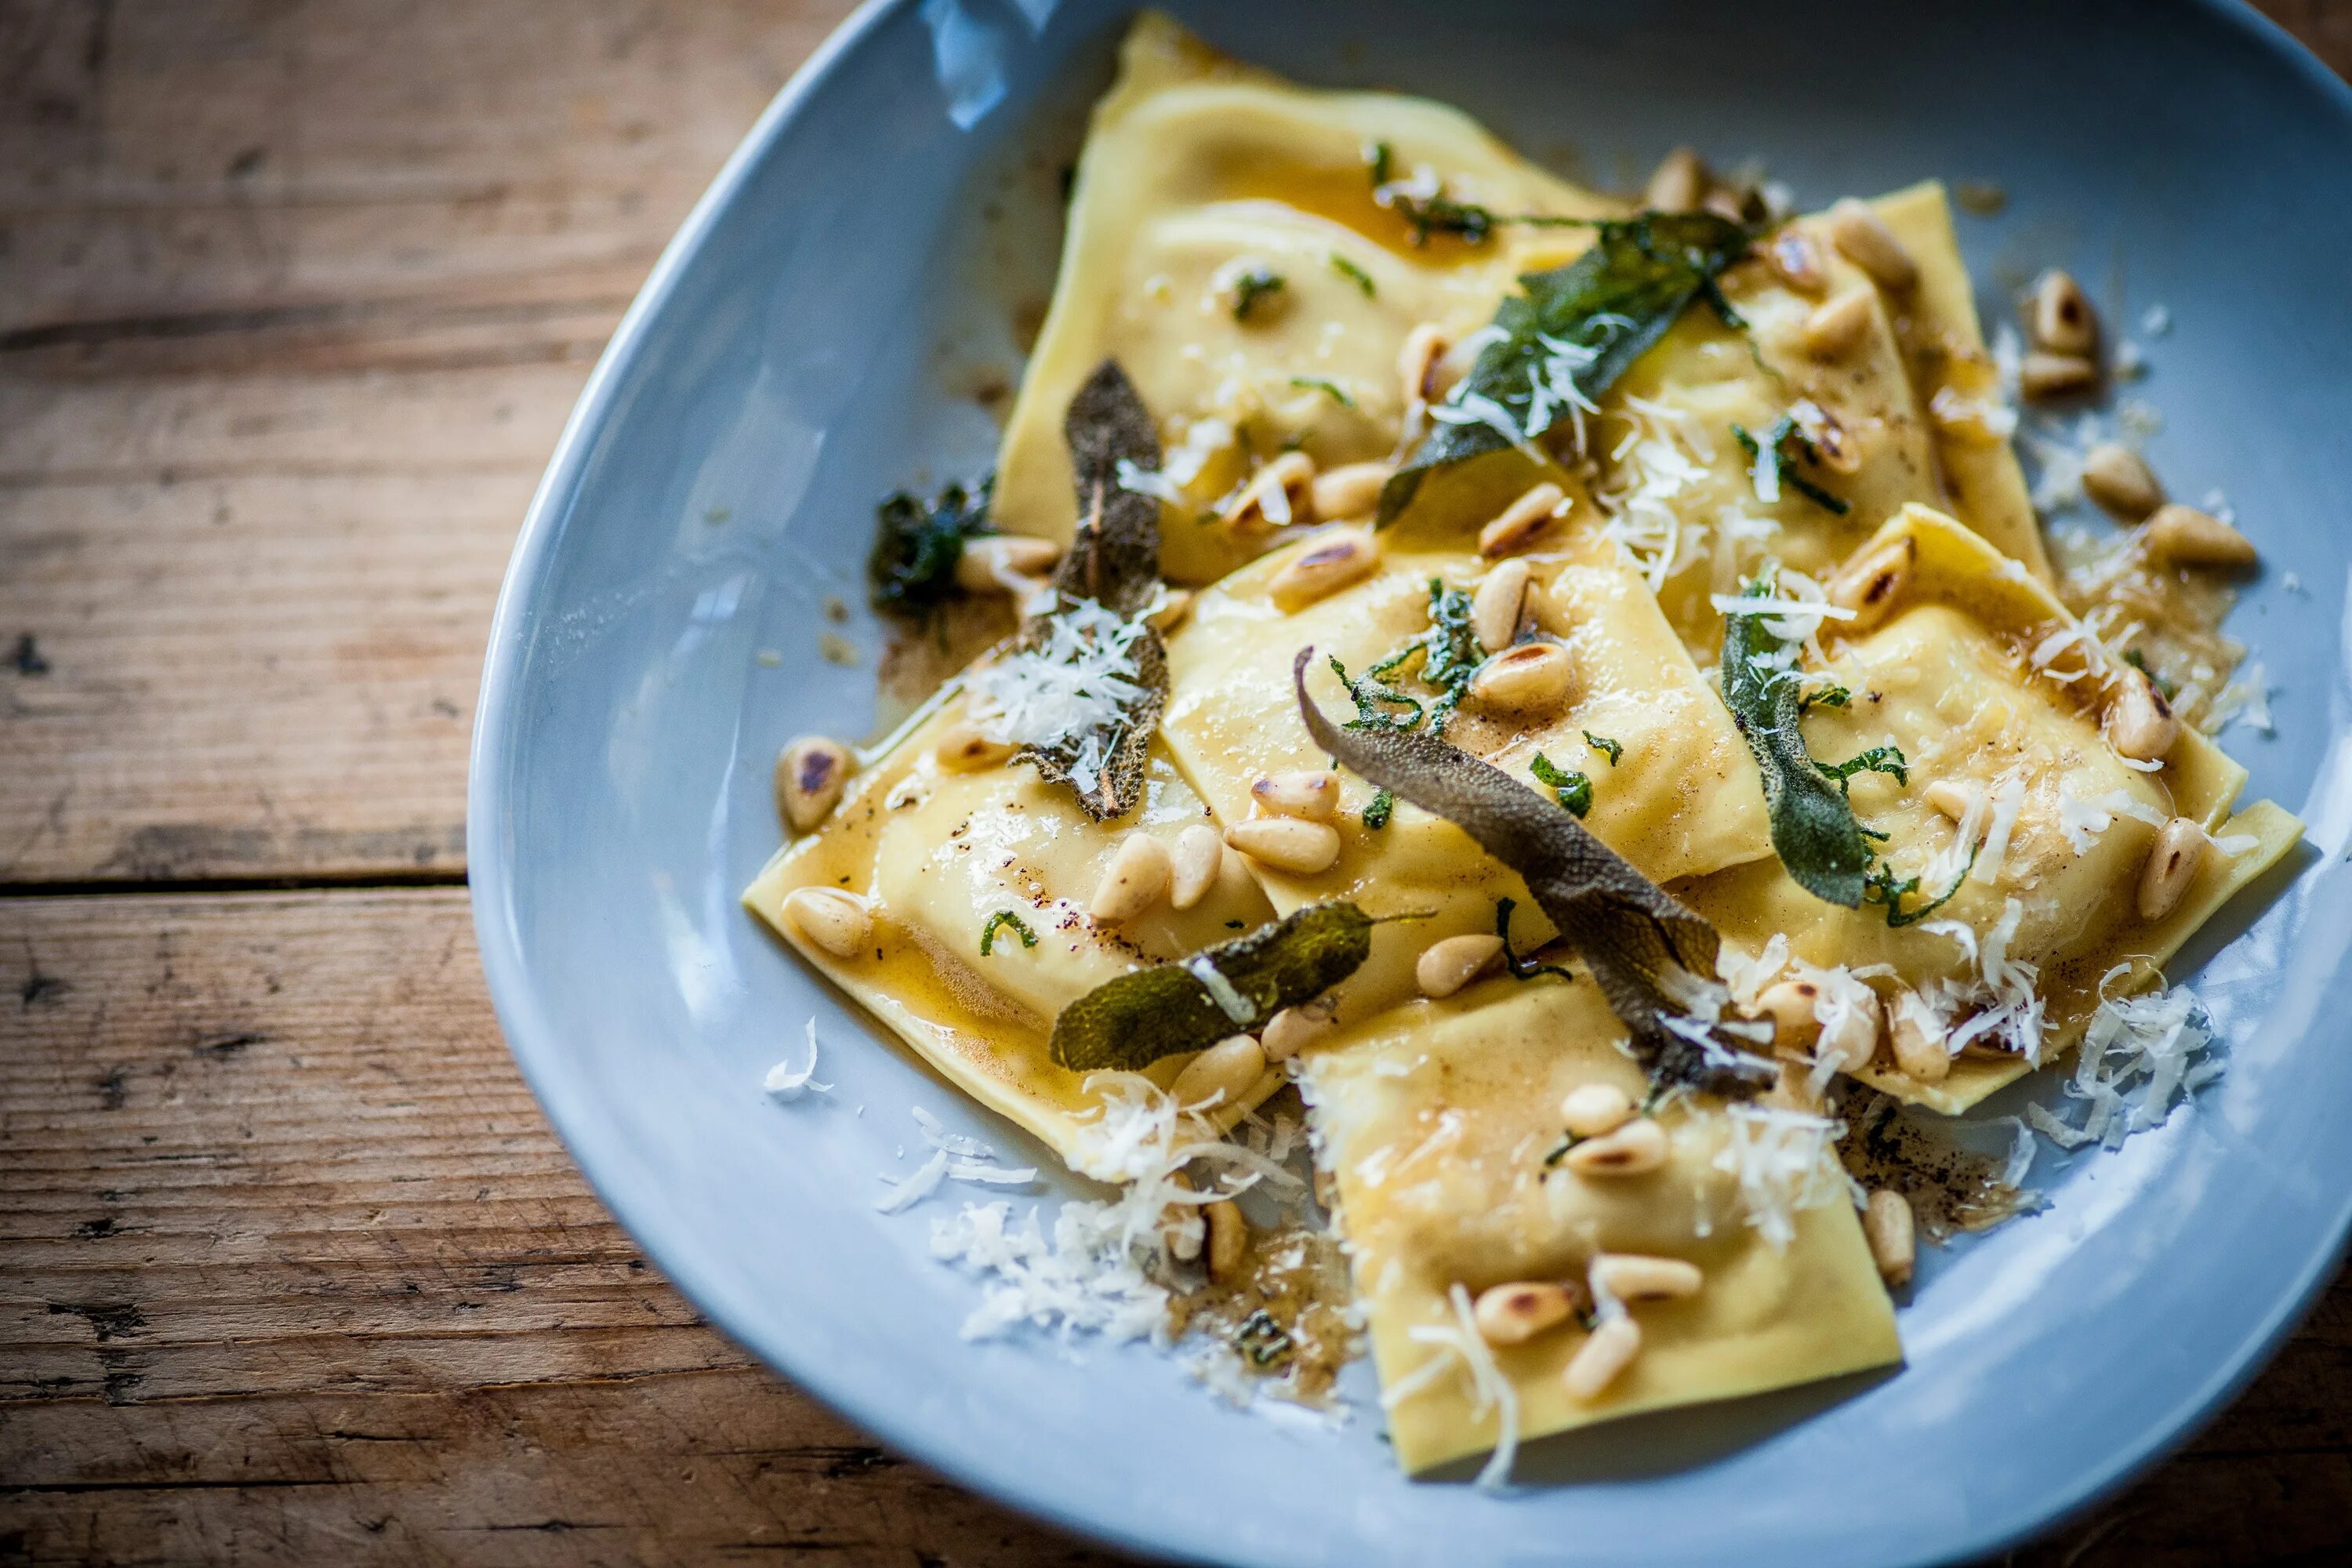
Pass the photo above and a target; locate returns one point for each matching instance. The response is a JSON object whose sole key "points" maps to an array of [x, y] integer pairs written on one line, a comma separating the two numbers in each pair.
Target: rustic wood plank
{"points": [[292, 1270]]}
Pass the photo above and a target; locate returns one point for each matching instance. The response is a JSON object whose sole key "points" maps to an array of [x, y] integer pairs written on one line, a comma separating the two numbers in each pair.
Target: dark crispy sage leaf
{"points": [[1167, 1009], [916, 543], [1588, 321], [1642, 945], [1814, 828]]}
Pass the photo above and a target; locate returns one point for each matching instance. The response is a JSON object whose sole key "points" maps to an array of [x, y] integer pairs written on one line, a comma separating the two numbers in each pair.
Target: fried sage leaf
{"points": [[1652, 959], [1569, 338], [1814, 828], [916, 543], [1233, 988]]}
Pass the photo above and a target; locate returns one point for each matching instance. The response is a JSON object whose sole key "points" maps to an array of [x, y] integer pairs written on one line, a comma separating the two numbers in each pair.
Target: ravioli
{"points": [[940, 852], [1435, 1119], [1950, 677], [1196, 168]]}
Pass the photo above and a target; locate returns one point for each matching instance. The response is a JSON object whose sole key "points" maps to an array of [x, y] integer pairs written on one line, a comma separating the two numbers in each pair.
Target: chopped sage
{"points": [[1002, 917], [910, 572], [1881, 886], [1261, 1339], [1449, 653], [1520, 965], [1251, 286], [1769, 464], [1886, 758], [1827, 696], [1575, 791], [1605, 746], [1379, 809], [1330, 389], [1356, 275], [1171, 1009]]}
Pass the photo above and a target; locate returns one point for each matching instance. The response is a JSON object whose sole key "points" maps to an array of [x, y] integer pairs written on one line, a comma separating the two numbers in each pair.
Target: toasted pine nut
{"points": [[1834, 326], [840, 922], [1220, 1075], [810, 773], [1003, 562], [2064, 321], [1528, 678], [1521, 521], [1495, 609], [1605, 1353], [1291, 1031], [1289, 843], [1417, 367], [1678, 183], [1595, 1109], [1791, 254], [1513, 1314], [1852, 1039], [963, 749], [1228, 1241], [1635, 1276], [2187, 537], [1948, 797], [1349, 492], [2056, 375], [1310, 792], [2173, 863], [1724, 203], [1888, 1225], [1866, 241], [1918, 1040], [1330, 562], [1870, 587], [2119, 480], [1193, 865], [1789, 1004], [2141, 725], [1135, 880], [1446, 967], [1175, 604], [1839, 448], [1634, 1149], [1277, 495]]}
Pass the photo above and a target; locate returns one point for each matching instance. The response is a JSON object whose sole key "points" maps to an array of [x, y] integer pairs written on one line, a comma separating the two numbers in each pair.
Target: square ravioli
{"points": [[1438, 1124]]}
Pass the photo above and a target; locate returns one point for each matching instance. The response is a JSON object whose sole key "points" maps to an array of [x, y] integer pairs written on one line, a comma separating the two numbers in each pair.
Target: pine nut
{"points": [[1193, 865], [1181, 1228], [1003, 562], [1417, 367], [1888, 1225], [1793, 255], [1495, 607], [1278, 494], [810, 773], [840, 922], [1137, 876], [1839, 447], [2117, 479], [1870, 245], [1724, 203], [2187, 537], [1292, 1030], [2041, 375], [1289, 843], [1789, 1004], [1920, 1052], [1634, 1277], [1948, 797], [2173, 863], [1513, 1314], [1349, 491], [1330, 562], [1870, 587], [1220, 1075], [1175, 604], [1602, 1357], [1850, 1042], [1448, 965], [1677, 185], [1228, 1241], [1834, 326], [1595, 1109], [1521, 521], [2141, 725], [2064, 321], [1528, 678], [1310, 792], [1638, 1147], [963, 749]]}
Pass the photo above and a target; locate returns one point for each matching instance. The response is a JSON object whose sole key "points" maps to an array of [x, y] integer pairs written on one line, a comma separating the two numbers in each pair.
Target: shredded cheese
{"points": [[1078, 684], [1459, 1343], [786, 1081], [1780, 1159]]}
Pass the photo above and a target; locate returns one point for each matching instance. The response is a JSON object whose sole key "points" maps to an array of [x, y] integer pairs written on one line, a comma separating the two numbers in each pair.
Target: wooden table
{"points": [[293, 300]]}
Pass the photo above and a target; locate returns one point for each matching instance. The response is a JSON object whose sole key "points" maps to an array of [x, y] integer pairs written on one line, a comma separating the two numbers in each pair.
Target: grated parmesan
{"points": [[1078, 685], [1780, 1159], [788, 1083], [1460, 1343]]}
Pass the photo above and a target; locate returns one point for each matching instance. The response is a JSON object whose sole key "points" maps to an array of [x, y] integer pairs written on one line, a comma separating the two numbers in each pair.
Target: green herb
{"points": [[1262, 1339], [2138, 661], [1827, 696], [1250, 286], [1356, 275], [1576, 328], [1330, 389], [1880, 886], [1645, 948], [1887, 759], [910, 572], [1605, 746], [1005, 918], [1237, 925], [1379, 809], [1771, 456], [1567, 1140], [1167, 1009], [1383, 162], [1521, 966], [1813, 828], [1575, 791], [1449, 653]]}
